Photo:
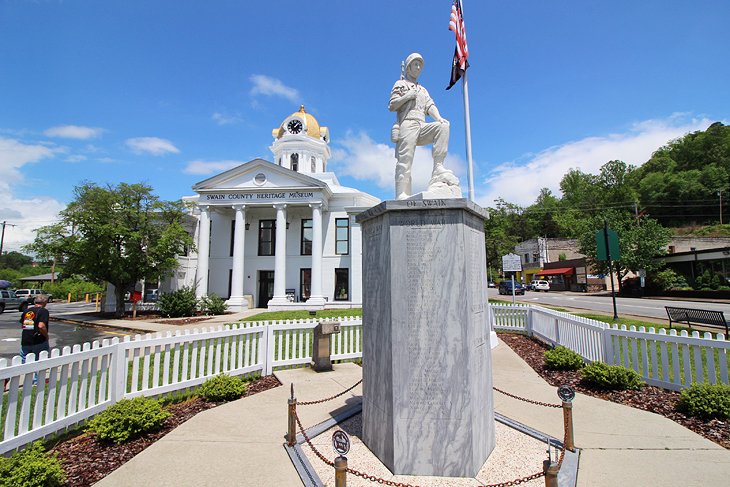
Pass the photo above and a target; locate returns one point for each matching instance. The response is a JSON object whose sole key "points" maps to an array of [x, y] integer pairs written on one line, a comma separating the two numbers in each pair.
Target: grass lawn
{"points": [[303, 314]]}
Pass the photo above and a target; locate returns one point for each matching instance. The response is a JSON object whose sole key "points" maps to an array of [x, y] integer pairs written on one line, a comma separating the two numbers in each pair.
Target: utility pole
{"points": [[2, 236]]}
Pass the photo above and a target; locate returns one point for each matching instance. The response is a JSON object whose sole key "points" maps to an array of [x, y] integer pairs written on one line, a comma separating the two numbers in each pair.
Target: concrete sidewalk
{"points": [[240, 443]]}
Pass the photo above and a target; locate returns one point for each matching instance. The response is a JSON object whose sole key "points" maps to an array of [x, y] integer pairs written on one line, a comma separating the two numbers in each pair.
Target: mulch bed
{"points": [[648, 398], [86, 460]]}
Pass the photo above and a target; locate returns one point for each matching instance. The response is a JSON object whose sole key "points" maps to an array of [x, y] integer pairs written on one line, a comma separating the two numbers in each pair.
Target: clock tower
{"points": [[300, 144]]}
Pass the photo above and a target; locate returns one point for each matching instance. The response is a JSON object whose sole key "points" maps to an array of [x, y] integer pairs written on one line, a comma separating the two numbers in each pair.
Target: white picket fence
{"points": [[76, 383], [670, 360]]}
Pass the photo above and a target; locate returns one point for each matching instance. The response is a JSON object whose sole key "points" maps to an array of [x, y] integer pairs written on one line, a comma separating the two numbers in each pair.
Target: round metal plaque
{"points": [[566, 393], [260, 178], [341, 442]]}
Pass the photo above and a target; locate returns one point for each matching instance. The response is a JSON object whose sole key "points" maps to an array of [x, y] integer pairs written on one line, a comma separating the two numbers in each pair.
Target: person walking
{"points": [[34, 323]]}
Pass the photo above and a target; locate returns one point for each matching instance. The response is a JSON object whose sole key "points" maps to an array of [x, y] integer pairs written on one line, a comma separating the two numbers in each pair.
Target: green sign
{"points": [[612, 245]]}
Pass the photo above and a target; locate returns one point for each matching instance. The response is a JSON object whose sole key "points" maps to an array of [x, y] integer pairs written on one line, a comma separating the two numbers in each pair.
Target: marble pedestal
{"points": [[427, 381]]}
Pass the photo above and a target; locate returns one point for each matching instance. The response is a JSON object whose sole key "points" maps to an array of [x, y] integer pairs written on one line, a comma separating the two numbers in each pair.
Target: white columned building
{"points": [[278, 235]]}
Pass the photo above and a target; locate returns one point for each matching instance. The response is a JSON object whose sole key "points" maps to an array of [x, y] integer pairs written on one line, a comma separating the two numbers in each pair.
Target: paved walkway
{"points": [[240, 443]]}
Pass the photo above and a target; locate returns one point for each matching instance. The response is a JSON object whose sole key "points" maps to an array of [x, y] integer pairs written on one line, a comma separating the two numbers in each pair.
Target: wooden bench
{"points": [[698, 316]]}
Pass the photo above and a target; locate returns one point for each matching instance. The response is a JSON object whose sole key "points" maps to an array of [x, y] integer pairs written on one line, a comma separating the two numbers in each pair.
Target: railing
{"points": [[65, 387], [670, 360]]}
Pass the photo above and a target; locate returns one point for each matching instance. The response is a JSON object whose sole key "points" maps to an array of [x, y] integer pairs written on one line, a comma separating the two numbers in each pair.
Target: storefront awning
{"points": [[554, 272]]}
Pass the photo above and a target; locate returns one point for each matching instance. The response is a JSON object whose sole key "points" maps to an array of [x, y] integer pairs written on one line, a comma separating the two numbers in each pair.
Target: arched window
{"points": [[295, 162], [314, 164]]}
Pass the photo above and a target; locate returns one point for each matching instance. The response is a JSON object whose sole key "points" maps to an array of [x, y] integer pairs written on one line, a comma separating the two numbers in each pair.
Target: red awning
{"points": [[555, 272]]}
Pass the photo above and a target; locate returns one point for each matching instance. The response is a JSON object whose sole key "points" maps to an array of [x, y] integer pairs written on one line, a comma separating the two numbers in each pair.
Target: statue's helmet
{"points": [[412, 57]]}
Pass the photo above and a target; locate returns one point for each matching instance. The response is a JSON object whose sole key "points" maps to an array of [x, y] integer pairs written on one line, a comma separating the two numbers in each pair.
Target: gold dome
{"points": [[311, 123]]}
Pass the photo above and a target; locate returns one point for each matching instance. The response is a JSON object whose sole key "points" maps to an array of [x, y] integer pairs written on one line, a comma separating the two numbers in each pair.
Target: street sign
{"points": [[341, 442], [511, 263], [612, 245]]}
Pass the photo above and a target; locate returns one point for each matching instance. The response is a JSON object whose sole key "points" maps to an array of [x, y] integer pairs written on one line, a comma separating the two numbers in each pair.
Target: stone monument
{"points": [[427, 381], [412, 103]]}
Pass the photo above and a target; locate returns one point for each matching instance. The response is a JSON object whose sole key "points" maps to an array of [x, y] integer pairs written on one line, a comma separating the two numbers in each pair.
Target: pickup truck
{"points": [[32, 293], [8, 300]]}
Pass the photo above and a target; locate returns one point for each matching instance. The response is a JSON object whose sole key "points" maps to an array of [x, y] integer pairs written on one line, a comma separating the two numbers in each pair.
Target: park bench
{"points": [[698, 316]]}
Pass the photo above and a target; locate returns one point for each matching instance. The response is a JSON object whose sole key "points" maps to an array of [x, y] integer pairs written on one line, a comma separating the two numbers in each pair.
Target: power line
{"points": [[2, 236]]}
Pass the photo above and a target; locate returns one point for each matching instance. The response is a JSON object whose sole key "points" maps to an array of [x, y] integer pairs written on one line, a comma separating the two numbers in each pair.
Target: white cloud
{"points": [[521, 182], [210, 167], [360, 157], [224, 119], [152, 145], [73, 132], [29, 213], [76, 158], [266, 85]]}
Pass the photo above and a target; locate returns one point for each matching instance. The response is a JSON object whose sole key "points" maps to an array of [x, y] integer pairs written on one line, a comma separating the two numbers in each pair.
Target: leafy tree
{"points": [[640, 241], [14, 260], [116, 234]]}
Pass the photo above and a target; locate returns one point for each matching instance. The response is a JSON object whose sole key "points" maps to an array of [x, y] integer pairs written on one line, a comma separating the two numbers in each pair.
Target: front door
{"points": [[266, 288]]}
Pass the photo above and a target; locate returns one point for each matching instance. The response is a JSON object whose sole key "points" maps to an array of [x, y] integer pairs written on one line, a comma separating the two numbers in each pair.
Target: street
{"points": [[648, 307], [62, 334]]}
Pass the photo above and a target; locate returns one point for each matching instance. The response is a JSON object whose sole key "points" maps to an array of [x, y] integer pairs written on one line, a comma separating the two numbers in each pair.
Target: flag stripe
{"points": [[456, 24]]}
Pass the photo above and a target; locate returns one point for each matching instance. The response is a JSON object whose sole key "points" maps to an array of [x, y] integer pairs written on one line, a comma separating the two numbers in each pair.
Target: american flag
{"points": [[461, 51]]}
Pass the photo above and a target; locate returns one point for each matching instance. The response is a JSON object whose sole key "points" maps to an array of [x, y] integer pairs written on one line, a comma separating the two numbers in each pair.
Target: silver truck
{"points": [[8, 300]]}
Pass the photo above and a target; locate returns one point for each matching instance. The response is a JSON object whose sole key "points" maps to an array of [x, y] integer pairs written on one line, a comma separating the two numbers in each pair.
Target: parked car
{"points": [[32, 293], [541, 285], [491, 284], [505, 287], [8, 300]]}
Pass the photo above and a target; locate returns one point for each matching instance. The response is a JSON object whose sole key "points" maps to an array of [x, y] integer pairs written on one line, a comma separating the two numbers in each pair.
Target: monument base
{"points": [[427, 381]]}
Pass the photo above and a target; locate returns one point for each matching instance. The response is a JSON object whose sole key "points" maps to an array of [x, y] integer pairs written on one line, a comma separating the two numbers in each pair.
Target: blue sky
{"points": [[171, 92]]}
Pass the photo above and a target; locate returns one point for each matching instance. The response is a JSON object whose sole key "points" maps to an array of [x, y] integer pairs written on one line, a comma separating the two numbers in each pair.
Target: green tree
{"points": [[640, 241], [116, 234], [14, 260]]}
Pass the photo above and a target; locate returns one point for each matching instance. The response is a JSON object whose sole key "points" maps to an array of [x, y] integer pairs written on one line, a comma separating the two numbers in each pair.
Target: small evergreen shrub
{"points": [[222, 388], [706, 401], [561, 358], [32, 467], [128, 419], [611, 377], [178, 303], [212, 304]]}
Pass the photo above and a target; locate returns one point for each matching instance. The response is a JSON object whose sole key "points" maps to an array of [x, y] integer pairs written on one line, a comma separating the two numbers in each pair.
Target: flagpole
{"points": [[467, 127]]}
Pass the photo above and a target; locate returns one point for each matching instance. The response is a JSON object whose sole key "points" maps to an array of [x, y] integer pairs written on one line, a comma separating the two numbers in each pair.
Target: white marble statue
{"points": [[412, 103]]}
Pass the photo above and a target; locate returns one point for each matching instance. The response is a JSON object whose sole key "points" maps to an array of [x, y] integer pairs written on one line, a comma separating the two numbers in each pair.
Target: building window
{"points": [[527, 258], [672, 249], [230, 282], [233, 234], [342, 236], [295, 162], [306, 243], [342, 284], [267, 237], [305, 283], [314, 164]]}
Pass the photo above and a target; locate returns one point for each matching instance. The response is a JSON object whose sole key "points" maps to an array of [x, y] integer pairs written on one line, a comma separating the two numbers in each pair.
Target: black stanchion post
{"points": [[341, 472], [291, 436]]}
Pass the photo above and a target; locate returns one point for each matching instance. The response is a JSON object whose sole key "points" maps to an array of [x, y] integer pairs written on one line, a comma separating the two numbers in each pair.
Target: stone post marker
{"points": [[427, 379]]}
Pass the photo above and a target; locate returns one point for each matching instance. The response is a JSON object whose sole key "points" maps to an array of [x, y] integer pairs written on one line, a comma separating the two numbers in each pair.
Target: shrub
{"points": [[178, 303], [77, 287], [706, 401], [606, 376], [32, 467], [212, 304], [561, 358], [128, 419], [222, 388]]}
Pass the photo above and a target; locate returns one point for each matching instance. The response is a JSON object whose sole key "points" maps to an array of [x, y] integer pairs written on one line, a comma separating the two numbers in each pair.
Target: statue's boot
{"points": [[402, 188]]}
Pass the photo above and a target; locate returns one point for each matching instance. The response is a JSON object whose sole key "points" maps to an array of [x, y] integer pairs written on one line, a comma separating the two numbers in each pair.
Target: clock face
{"points": [[295, 126]]}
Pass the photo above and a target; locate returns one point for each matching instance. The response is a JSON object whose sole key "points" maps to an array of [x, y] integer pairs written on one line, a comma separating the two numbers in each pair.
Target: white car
{"points": [[541, 285]]}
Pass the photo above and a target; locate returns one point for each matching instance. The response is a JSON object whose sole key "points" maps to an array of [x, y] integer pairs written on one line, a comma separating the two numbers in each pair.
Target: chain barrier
{"points": [[539, 403], [308, 403], [373, 478]]}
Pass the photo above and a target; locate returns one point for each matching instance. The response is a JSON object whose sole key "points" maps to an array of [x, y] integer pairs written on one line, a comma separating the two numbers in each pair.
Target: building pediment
{"points": [[259, 174]]}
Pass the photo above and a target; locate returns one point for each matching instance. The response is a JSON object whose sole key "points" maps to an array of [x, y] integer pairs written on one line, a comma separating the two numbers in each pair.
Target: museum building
{"points": [[278, 235]]}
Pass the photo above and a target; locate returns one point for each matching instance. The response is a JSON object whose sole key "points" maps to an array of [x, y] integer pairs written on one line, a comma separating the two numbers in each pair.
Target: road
{"points": [[62, 334], [648, 307]]}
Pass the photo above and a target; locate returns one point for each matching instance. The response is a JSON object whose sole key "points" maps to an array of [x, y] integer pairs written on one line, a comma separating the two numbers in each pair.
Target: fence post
{"points": [[557, 331], [608, 345], [118, 370], [267, 348], [341, 471], [551, 473], [530, 317]]}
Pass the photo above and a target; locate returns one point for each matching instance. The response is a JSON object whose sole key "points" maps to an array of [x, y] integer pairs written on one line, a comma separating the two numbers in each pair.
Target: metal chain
{"points": [[308, 403], [539, 403]]}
